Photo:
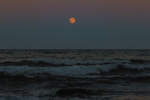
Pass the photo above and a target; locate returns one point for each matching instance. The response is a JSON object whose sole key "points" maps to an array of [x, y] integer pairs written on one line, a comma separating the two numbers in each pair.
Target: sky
{"points": [[101, 24]]}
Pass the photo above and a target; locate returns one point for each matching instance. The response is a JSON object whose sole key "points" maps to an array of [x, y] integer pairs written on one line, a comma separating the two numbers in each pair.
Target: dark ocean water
{"points": [[74, 74]]}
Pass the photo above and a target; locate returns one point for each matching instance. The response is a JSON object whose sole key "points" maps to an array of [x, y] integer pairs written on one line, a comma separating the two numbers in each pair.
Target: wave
{"points": [[126, 69], [44, 68], [29, 63], [100, 78], [79, 71], [69, 62]]}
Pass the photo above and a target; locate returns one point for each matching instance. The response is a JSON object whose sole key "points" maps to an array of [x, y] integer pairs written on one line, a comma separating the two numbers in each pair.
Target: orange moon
{"points": [[72, 20]]}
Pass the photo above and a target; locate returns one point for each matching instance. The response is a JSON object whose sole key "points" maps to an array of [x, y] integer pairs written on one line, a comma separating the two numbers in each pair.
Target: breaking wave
{"points": [[69, 62], [30, 69]]}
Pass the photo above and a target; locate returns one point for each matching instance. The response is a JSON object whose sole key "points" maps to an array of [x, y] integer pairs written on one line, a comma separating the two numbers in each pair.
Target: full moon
{"points": [[72, 20]]}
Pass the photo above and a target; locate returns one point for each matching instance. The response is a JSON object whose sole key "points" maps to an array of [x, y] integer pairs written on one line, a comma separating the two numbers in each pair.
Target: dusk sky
{"points": [[101, 24]]}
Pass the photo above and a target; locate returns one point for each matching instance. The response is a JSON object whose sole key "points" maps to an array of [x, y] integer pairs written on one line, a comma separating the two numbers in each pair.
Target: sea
{"points": [[74, 74]]}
